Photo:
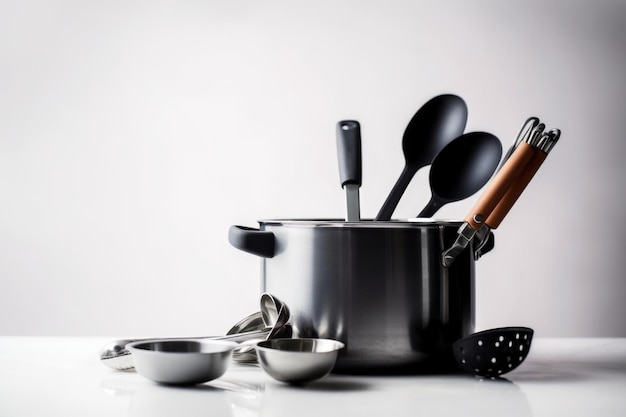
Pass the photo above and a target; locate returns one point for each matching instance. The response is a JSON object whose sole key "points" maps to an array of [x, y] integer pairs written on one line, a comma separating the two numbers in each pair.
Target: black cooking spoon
{"points": [[461, 169], [434, 125]]}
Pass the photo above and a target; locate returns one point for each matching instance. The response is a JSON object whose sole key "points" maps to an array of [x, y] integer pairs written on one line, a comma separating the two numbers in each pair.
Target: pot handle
{"points": [[254, 241], [485, 246]]}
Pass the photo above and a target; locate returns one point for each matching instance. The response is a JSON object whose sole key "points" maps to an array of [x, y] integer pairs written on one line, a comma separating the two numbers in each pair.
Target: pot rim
{"points": [[363, 223]]}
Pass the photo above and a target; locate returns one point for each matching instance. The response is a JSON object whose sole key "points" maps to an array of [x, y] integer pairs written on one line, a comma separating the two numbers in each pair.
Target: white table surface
{"points": [[63, 377]]}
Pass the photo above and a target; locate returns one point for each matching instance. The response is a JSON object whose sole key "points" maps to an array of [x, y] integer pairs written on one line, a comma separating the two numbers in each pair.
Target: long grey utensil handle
{"points": [[350, 165]]}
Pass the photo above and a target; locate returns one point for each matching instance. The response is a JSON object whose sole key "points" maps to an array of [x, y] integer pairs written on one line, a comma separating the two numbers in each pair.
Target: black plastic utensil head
{"points": [[435, 124], [492, 353], [465, 165], [461, 169]]}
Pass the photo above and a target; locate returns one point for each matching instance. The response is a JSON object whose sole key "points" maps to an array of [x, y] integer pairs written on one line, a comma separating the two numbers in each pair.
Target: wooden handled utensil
{"points": [[504, 190]]}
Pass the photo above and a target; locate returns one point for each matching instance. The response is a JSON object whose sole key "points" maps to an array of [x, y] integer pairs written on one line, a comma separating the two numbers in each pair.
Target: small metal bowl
{"points": [[298, 361], [182, 361]]}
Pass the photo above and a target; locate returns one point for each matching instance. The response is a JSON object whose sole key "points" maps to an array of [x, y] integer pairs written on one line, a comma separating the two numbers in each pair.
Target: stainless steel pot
{"points": [[379, 287]]}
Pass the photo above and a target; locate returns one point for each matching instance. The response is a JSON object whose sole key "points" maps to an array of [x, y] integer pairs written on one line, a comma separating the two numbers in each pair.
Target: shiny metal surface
{"points": [[182, 362], [270, 309], [117, 355], [274, 315], [269, 323], [524, 134], [249, 323], [353, 205], [378, 287], [298, 361]]}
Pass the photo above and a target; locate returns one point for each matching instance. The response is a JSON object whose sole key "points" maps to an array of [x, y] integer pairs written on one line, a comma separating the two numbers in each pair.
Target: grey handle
{"points": [[349, 152]]}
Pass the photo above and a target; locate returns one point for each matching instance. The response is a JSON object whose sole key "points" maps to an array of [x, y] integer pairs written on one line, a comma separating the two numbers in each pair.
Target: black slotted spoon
{"points": [[492, 353]]}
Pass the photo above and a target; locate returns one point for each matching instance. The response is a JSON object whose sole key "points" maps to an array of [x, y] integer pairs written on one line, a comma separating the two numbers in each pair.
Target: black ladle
{"points": [[435, 124], [461, 169]]}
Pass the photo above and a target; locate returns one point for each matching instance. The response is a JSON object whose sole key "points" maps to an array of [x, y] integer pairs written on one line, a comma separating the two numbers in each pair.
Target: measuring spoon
{"points": [[274, 312]]}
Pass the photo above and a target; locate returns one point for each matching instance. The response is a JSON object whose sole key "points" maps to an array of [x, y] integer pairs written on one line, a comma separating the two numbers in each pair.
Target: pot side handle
{"points": [[254, 241], [485, 246]]}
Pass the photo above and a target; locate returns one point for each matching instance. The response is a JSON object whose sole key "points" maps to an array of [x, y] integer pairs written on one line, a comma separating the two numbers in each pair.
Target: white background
{"points": [[134, 133]]}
